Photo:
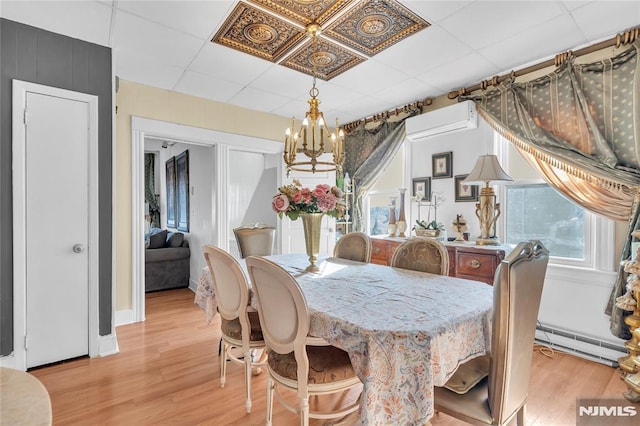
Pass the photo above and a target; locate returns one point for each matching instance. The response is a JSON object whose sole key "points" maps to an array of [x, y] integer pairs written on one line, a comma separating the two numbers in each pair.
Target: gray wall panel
{"points": [[39, 56]]}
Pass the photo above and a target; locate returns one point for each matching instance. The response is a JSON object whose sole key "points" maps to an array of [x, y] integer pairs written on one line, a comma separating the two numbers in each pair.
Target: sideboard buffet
{"points": [[466, 260]]}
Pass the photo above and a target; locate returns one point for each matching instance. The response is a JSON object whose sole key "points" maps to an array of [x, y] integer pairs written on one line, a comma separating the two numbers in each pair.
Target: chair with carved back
{"points": [[354, 246], [240, 325], [298, 362], [496, 396], [422, 254]]}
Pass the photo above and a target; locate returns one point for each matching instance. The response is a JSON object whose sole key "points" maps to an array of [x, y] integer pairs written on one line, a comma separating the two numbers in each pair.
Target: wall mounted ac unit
{"points": [[453, 118]]}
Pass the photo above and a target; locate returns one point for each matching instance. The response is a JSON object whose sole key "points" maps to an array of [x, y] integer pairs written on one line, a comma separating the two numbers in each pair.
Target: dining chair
{"points": [[422, 254], [255, 240], [240, 324], [502, 394], [298, 362], [354, 246]]}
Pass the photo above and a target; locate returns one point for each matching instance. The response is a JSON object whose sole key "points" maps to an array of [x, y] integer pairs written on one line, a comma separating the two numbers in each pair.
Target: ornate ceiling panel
{"points": [[329, 59], [273, 29], [374, 25], [305, 12]]}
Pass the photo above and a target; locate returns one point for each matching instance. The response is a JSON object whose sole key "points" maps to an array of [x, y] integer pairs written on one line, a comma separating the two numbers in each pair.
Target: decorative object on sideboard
{"points": [[392, 227], [402, 220], [428, 229], [314, 132], [459, 225], [487, 169], [441, 166]]}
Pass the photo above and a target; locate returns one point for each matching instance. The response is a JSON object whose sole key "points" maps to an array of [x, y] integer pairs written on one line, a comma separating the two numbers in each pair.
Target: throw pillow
{"points": [[469, 374], [158, 240], [175, 239]]}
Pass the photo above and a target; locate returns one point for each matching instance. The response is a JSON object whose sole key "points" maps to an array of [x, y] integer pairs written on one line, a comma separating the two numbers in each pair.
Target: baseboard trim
{"points": [[124, 317]]}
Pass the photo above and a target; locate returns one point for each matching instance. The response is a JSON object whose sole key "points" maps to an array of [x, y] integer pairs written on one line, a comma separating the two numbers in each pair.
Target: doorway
{"points": [[219, 233], [55, 214]]}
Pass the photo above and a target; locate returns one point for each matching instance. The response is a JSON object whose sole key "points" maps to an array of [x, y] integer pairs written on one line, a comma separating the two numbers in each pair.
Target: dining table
{"points": [[405, 331]]}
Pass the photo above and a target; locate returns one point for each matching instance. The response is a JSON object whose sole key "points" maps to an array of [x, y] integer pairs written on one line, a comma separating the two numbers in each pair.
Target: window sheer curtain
{"points": [[368, 153], [579, 126]]}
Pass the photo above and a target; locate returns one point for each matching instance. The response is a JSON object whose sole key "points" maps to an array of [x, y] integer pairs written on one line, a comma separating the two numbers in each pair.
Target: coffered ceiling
{"points": [[350, 32], [441, 46]]}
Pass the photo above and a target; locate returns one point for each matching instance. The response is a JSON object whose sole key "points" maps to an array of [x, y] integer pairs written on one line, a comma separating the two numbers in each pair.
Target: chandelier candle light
{"points": [[313, 135], [487, 169]]}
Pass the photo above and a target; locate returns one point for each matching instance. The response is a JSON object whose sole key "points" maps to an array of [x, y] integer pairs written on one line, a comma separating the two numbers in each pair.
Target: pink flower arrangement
{"points": [[293, 199]]}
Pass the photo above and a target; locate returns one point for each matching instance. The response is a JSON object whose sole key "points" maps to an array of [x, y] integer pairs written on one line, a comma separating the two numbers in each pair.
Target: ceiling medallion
{"points": [[374, 25], [260, 33]]}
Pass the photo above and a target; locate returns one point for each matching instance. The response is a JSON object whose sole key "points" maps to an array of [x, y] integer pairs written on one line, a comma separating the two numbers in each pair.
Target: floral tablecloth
{"points": [[405, 331]]}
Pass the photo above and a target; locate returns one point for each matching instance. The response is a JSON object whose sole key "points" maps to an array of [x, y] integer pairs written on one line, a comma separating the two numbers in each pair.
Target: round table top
{"points": [[23, 398]]}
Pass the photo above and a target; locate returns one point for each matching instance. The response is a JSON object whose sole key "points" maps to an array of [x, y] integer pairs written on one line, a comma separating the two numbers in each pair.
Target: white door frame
{"points": [[20, 89], [223, 143]]}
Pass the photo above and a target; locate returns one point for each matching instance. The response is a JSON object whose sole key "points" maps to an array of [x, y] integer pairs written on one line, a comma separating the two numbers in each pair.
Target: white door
{"points": [[292, 231], [56, 196]]}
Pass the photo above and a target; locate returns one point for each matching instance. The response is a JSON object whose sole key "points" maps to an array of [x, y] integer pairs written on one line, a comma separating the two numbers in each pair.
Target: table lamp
{"points": [[487, 169]]}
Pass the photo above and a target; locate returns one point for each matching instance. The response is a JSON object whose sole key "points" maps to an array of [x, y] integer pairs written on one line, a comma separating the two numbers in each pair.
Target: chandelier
{"points": [[314, 137]]}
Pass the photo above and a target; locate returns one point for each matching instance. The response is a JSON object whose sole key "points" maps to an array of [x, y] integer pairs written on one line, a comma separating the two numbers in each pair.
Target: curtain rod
{"points": [[386, 114], [621, 39]]}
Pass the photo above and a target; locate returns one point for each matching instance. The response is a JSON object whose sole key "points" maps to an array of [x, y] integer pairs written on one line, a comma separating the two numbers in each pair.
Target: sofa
{"points": [[166, 260]]}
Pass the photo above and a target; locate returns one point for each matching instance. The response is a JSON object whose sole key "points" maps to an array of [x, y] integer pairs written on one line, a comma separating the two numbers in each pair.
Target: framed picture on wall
{"points": [[422, 187], [182, 191], [441, 165], [170, 166], [465, 191]]}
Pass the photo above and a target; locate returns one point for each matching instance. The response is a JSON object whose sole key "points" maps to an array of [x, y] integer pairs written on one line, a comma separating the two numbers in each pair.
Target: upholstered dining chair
{"points": [[422, 254], [296, 361], [255, 240], [240, 324], [498, 397], [354, 246]]}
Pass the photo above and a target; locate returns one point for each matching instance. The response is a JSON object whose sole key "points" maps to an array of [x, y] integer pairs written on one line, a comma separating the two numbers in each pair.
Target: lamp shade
{"points": [[487, 169]]}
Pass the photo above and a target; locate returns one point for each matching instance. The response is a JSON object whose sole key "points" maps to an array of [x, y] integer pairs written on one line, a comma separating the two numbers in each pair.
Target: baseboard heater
{"points": [[581, 346]]}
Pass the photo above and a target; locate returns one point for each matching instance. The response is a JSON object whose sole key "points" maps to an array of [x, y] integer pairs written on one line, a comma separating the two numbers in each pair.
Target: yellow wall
{"points": [[135, 99]]}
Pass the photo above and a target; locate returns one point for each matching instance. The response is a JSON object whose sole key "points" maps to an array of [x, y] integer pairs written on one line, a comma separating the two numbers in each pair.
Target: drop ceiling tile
{"points": [[89, 21], [283, 80], [228, 64], [294, 108], [374, 25], [434, 11], [370, 77], [476, 24], [197, 18], [258, 33], [333, 96], [328, 58], [150, 39], [424, 51], [544, 41], [259, 100], [601, 20], [304, 12], [463, 72], [133, 66], [405, 92], [205, 86]]}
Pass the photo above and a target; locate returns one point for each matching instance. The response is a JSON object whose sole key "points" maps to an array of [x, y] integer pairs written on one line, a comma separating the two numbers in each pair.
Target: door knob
{"points": [[78, 248]]}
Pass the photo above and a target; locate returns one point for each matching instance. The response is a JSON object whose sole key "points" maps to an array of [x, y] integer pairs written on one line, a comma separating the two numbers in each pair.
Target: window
{"points": [[539, 212]]}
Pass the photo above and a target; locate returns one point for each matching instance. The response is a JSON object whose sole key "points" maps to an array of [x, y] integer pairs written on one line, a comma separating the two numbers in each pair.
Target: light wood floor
{"points": [[167, 372]]}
